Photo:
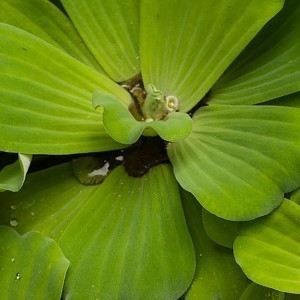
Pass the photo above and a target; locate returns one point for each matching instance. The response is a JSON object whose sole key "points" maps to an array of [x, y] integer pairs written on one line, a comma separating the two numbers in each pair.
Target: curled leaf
{"points": [[12, 176], [125, 129]]}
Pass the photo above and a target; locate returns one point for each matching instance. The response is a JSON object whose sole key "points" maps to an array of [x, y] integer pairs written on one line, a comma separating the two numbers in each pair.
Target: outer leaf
{"points": [[125, 129], [220, 231], [268, 249], [187, 45], [110, 29], [31, 267], [12, 176], [270, 65], [46, 21], [126, 238], [255, 291], [45, 98], [217, 275], [239, 160]]}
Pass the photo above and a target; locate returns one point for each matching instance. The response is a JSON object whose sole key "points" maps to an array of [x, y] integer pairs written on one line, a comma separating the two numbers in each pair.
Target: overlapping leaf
{"points": [[44, 20], [222, 232], [110, 29], [296, 196], [45, 98], [239, 160], [268, 248], [31, 266], [269, 67], [126, 238], [13, 175], [187, 45], [292, 100], [217, 275]]}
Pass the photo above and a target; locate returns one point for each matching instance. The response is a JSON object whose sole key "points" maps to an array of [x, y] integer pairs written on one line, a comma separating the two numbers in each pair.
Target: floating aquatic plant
{"points": [[162, 139]]}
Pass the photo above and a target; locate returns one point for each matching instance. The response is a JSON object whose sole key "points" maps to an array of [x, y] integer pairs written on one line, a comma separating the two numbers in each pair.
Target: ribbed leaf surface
{"points": [[187, 45], [44, 20], [268, 249], [239, 160], [110, 29], [217, 275], [13, 175], [126, 238], [31, 266], [45, 98], [270, 65]]}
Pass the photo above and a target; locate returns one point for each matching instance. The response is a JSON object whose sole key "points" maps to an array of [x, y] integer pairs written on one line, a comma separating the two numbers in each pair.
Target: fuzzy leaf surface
{"points": [[45, 98], [187, 45], [45, 20], [32, 266], [110, 30], [268, 249], [217, 275], [239, 160], [107, 229], [269, 67]]}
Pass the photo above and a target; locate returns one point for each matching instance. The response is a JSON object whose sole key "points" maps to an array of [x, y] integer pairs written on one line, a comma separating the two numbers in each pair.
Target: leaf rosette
{"points": [[218, 83]]}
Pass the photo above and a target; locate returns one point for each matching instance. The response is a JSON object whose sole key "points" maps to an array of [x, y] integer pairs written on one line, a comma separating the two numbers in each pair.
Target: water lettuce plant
{"points": [[162, 140]]}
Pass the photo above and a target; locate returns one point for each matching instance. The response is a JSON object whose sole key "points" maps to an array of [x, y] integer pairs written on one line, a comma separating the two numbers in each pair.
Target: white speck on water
{"points": [[13, 222], [13, 207], [12, 259], [100, 172], [119, 158], [18, 276]]}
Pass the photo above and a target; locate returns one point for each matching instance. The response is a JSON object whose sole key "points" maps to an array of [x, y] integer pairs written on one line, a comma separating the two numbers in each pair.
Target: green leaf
{"points": [[12, 176], [45, 20], [296, 196], [45, 98], [222, 232], [269, 66], [31, 266], [255, 291], [124, 128], [268, 249], [240, 160], [110, 30], [187, 45], [217, 275], [126, 238]]}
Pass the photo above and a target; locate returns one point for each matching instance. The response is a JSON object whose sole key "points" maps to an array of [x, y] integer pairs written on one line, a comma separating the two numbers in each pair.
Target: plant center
{"points": [[149, 103]]}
